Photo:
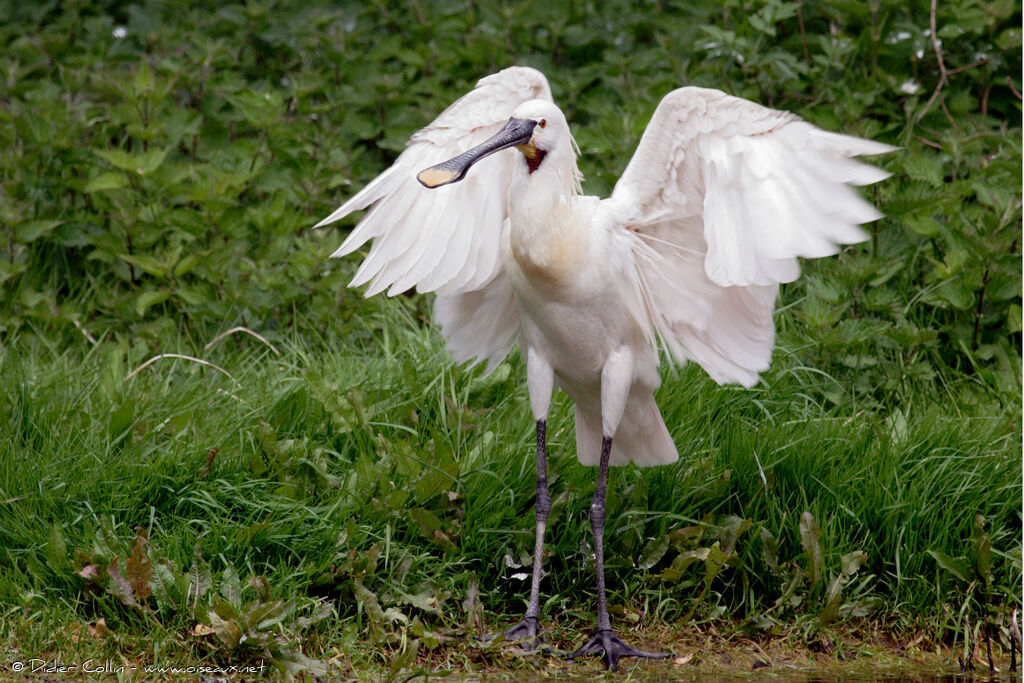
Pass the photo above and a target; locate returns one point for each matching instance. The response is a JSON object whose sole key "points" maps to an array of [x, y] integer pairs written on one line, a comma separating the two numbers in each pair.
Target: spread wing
{"points": [[720, 198], [447, 240]]}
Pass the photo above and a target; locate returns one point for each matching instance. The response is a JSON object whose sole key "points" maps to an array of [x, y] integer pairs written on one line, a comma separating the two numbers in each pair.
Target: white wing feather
{"points": [[447, 240], [720, 198], [438, 240]]}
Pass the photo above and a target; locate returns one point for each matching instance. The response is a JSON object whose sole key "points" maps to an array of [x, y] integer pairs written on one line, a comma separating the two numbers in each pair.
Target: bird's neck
{"points": [[543, 234]]}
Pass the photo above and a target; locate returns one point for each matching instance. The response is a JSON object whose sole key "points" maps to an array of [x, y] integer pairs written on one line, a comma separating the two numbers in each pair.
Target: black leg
{"points": [[529, 627], [604, 641]]}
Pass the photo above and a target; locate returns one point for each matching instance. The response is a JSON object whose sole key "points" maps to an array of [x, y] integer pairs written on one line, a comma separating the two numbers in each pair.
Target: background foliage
{"points": [[161, 169], [167, 177]]}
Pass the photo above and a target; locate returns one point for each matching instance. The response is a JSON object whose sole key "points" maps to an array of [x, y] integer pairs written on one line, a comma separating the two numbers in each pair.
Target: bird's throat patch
{"points": [[532, 155]]}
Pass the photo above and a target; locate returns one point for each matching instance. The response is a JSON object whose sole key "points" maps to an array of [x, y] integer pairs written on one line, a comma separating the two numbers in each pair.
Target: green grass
{"points": [[340, 493], [387, 479]]}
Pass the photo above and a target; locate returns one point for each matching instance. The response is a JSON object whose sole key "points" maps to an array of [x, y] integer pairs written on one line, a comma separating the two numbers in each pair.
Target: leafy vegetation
{"points": [[325, 492]]}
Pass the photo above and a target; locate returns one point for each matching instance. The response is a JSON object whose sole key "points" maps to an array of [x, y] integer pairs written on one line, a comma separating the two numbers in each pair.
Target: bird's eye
{"points": [[543, 123]]}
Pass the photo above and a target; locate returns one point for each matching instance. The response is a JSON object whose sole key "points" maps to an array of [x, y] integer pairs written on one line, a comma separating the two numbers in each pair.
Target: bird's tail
{"points": [[642, 436]]}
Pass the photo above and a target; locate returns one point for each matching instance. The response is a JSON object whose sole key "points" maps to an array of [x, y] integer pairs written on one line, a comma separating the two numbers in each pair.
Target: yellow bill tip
{"points": [[436, 177]]}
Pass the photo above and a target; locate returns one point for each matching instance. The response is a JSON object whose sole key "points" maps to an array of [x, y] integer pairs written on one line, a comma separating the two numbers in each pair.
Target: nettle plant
{"points": [[172, 187]]}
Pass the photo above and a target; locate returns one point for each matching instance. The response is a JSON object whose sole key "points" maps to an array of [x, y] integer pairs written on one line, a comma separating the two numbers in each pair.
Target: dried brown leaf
{"points": [[139, 568], [200, 630], [99, 629], [262, 587], [90, 572], [119, 586]]}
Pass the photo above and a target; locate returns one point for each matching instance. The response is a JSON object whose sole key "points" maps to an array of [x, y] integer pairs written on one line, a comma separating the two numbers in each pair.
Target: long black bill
{"points": [[515, 132]]}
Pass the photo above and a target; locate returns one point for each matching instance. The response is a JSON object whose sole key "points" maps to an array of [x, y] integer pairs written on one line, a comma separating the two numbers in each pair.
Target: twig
{"points": [[1009, 82], [988, 645], [928, 142], [1015, 640], [184, 357], [943, 74], [241, 329], [85, 332], [764, 480], [961, 69], [803, 34], [229, 395], [967, 661]]}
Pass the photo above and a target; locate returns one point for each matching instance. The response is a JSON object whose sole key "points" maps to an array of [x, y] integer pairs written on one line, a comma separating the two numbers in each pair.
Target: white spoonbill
{"points": [[710, 215]]}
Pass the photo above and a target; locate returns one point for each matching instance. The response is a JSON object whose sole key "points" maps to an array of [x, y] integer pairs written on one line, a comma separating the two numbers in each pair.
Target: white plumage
{"points": [[710, 215], [718, 202]]}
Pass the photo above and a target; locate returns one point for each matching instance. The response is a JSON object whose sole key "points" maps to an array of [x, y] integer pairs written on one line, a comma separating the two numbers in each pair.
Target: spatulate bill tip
{"points": [[436, 177]]}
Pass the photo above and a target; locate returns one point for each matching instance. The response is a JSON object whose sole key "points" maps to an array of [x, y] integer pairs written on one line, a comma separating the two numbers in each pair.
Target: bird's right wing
{"points": [[445, 239], [719, 200], [448, 239], [481, 325]]}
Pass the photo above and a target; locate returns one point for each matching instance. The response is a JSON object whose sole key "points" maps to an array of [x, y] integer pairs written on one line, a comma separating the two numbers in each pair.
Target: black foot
{"points": [[606, 643], [527, 631]]}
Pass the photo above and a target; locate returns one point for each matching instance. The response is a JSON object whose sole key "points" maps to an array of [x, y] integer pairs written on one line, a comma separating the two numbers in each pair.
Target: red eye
{"points": [[543, 123]]}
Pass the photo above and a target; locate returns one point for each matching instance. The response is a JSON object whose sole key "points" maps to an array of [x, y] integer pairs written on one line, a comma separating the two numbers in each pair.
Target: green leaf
{"points": [[226, 630], [186, 264], [1009, 39], [425, 600], [231, 587], [166, 589], [262, 587], [370, 604], [955, 260], [830, 612], [956, 566], [141, 164], [732, 528], [146, 300], [714, 562], [956, 292], [653, 552], [928, 168], [108, 180], [428, 522], [33, 230], [143, 78], [199, 577], [761, 25], [263, 615], [686, 537], [681, 563], [57, 551], [685, 559], [1013, 319], [810, 539], [322, 611], [405, 657], [149, 264], [925, 226], [998, 197], [982, 545], [9, 270], [120, 420], [852, 562], [292, 663], [769, 549]]}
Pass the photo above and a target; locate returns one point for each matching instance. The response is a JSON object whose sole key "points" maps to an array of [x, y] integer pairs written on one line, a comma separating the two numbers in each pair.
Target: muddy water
{"points": [[640, 675], [910, 676]]}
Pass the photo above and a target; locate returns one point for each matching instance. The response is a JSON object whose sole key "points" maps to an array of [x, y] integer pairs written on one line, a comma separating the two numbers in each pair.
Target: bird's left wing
{"points": [[446, 239], [719, 200]]}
